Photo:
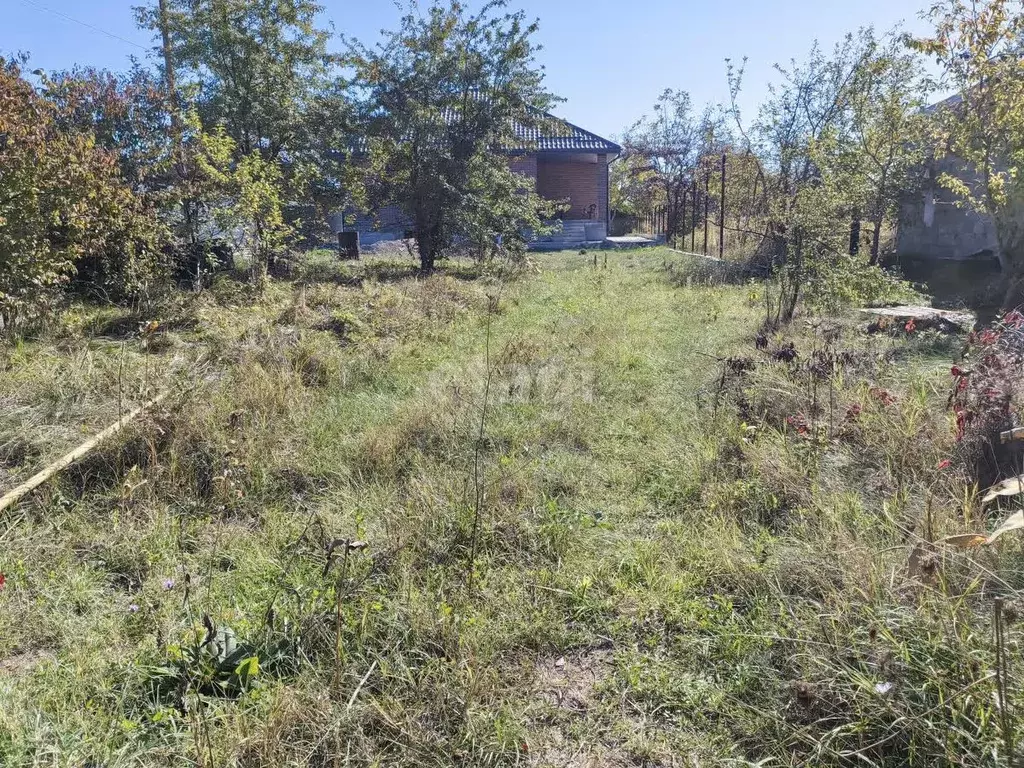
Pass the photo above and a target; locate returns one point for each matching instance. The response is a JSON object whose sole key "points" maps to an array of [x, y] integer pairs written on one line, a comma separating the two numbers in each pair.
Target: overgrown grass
{"points": [[688, 551]]}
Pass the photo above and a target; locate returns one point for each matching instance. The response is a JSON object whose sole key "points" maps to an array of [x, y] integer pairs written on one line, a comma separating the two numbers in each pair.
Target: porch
{"points": [[581, 179]]}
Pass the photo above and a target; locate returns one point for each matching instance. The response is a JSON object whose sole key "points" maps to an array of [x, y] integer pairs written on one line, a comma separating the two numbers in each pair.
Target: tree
{"points": [[979, 46], [676, 145], [64, 208], [260, 72], [884, 100], [446, 100], [128, 115], [634, 187], [255, 67], [801, 137]]}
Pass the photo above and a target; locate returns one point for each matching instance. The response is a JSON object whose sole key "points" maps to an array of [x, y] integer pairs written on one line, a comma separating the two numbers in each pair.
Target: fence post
{"points": [[682, 220], [693, 214], [721, 220], [707, 187]]}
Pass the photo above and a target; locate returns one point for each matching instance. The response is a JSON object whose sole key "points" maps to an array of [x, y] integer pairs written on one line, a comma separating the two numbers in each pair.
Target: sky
{"points": [[609, 59]]}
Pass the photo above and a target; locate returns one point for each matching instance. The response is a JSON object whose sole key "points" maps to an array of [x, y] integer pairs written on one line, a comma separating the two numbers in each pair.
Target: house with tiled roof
{"points": [[562, 161]]}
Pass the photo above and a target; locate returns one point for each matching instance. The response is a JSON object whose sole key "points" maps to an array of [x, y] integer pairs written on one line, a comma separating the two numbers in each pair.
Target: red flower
{"points": [[956, 370], [1014, 318], [911, 326], [799, 423], [884, 396], [3, 581], [944, 464], [988, 336]]}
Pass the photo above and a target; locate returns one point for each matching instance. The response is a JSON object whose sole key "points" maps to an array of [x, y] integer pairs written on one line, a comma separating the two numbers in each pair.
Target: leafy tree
{"points": [[128, 114], [64, 208], [445, 99], [677, 145], [254, 209], [256, 67], [634, 187], [259, 71], [814, 172], [885, 141], [980, 46]]}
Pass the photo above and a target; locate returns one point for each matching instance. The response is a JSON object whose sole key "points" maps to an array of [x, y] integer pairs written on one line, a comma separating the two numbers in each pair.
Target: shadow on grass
{"points": [[356, 273]]}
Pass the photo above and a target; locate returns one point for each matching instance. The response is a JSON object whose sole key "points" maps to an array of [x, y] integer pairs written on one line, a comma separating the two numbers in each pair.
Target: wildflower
{"points": [[799, 423], [956, 370], [133, 608], [884, 396], [988, 336], [1014, 318], [944, 464], [3, 581], [911, 326], [168, 584]]}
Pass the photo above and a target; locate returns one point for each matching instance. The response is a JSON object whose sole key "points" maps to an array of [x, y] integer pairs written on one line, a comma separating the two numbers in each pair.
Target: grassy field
{"points": [[571, 518]]}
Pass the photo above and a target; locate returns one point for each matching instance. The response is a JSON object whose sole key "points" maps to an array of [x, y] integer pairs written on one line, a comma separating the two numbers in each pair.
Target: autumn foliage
{"points": [[64, 207]]}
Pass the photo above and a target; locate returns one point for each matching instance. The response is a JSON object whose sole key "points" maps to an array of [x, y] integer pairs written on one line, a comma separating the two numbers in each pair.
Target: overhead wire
{"points": [[37, 6]]}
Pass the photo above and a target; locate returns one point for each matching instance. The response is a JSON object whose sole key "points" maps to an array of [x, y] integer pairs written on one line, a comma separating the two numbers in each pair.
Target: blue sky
{"points": [[610, 59]]}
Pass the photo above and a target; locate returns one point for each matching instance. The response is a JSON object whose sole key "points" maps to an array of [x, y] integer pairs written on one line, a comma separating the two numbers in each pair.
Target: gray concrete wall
{"points": [[933, 226]]}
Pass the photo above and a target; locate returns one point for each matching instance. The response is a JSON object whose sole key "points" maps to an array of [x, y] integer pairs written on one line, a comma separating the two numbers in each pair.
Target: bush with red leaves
{"points": [[986, 397]]}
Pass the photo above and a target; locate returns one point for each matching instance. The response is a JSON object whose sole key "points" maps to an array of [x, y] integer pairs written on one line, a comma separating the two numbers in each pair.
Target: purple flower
{"points": [[133, 608], [168, 583]]}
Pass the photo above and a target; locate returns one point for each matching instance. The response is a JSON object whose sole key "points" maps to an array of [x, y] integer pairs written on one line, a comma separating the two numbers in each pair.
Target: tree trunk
{"points": [[795, 267], [1010, 237], [876, 238], [428, 242]]}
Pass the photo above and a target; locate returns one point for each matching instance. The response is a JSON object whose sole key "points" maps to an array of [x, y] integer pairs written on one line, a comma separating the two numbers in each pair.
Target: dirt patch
{"points": [[568, 682], [23, 663], [567, 686]]}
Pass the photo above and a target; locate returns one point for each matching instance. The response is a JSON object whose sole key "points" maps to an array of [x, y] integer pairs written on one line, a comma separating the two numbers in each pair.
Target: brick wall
{"points": [[525, 165], [585, 184]]}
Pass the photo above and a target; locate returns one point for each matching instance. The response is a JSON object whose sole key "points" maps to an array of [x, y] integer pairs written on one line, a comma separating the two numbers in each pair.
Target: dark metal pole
{"points": [[682, 219], [721, 218], [707, 199], [693, 214]]}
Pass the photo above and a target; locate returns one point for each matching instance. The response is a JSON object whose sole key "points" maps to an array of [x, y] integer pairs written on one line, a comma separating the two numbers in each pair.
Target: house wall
{"points": [[525, 165], [389, 223], [933, 226], [583, 180]]}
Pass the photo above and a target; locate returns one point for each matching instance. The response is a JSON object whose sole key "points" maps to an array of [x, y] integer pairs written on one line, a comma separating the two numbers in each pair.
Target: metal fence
{"points": [[697, 221]]}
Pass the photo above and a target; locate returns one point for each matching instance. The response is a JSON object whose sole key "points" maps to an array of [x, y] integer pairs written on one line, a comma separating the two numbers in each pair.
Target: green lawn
{"points": [[586, 546]]}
